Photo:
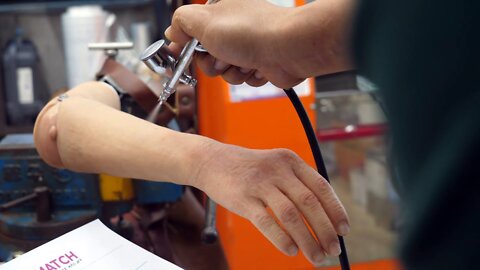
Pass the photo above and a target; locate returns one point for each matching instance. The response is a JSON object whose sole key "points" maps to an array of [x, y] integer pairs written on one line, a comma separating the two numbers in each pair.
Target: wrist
{"points": [[313, 39], [194, 153]]}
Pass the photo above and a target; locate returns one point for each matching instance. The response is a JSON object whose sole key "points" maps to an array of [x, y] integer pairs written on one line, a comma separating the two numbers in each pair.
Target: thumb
{"points": [[188, 21]]}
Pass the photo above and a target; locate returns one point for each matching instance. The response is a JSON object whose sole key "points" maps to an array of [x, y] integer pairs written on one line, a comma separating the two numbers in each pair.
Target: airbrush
{"points": [[159, 58]]}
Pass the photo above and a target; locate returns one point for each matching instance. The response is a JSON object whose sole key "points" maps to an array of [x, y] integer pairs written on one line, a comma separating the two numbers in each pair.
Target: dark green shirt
{"points": [[425, 58]]}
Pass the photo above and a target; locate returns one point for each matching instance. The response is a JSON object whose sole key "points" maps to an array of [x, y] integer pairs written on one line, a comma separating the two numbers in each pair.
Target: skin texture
{"points": [[91, 135], [248, 41], [254, 41]]}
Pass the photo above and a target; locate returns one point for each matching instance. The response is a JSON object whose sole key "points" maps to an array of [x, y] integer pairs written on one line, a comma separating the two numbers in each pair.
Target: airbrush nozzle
{"points": [[158, 58]]}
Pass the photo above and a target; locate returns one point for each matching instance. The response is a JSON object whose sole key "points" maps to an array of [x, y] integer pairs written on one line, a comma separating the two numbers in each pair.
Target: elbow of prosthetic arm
{"points": [[45, 135], [45, 131]]}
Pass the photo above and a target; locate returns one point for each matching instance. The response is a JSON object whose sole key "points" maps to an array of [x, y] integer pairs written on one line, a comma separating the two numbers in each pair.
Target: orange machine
{"points": [[263, 123], [236, 115]]}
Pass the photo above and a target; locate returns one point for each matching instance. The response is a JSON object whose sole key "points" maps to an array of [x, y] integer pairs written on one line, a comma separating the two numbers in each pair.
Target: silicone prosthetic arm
{"points": [[87, 133]]}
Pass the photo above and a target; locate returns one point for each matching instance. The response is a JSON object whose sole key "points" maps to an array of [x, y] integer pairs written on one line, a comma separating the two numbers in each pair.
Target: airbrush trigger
{"points": [[158, 57]]}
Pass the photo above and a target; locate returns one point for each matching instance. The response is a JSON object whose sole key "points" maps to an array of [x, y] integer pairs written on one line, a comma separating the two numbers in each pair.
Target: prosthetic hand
{"points": [[274, 189]]}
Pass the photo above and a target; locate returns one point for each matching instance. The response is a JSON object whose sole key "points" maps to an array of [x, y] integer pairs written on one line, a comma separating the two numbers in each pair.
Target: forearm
{"points": [[314, 39], [102, 140], [93, 136]]}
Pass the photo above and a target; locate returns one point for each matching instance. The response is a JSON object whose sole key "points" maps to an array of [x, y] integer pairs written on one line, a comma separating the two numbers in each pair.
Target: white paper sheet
{"points": [[92, 246]]}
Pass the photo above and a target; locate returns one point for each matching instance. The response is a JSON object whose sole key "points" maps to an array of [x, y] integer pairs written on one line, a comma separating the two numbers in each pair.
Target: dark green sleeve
{"points": [[425, 58]]}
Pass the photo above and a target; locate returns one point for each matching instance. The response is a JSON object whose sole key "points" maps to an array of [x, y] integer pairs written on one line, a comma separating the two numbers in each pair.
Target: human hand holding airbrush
{"points": [[254, 41]]}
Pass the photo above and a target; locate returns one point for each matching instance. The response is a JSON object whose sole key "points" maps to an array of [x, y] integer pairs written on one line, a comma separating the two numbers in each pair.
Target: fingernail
{"points": [[292, 251], [334, 249], [343, 228], [318, 258], [245, 70], [220, 65], [167, 32], [258, 75]]}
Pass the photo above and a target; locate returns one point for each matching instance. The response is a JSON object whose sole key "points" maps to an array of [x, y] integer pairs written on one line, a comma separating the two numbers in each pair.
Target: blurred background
{"points": [[51, 38]]}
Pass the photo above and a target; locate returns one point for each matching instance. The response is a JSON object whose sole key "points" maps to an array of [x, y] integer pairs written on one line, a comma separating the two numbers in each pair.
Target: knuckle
{"points": [[255, 82], [233, 76], [326, 228], [288, 214], [208, 71], [323, 186], [263, 220], [286, 155], [283, 242], [256, 174], [338, 211], [232, 80], [291, 81], [308, 199], [325, 232], [285, 81], [207, 67], [258, 189], [331, 202]]}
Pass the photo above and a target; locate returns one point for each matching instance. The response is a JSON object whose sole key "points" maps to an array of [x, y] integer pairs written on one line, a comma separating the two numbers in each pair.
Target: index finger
{"points": [[206, 62], [188, 21], [175, 48], [326, 195]]}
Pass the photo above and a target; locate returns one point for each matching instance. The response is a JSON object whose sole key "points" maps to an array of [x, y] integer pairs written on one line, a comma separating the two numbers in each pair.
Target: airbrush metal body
{"points": [[179, 74], [158, 58]]}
